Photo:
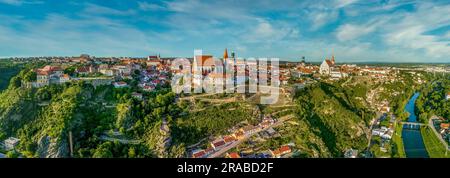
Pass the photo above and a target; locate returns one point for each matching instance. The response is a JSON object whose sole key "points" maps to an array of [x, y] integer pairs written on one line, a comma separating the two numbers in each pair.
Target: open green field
{"points": [[398, 142], [434, 147]]}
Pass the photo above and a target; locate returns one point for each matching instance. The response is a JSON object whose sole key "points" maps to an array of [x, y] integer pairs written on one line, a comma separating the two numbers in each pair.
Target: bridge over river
{"points": [[412, 125]]}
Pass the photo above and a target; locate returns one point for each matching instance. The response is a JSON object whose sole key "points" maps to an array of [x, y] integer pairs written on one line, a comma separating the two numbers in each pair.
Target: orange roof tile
{"points": [[233, 155]]}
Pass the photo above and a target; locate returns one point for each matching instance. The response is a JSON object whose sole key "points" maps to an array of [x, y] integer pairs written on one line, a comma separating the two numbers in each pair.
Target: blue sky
{"points": [[352, 30]]}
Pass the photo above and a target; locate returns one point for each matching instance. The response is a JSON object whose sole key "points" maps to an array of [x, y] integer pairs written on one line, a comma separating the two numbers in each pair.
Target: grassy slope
{"points": [[333, 118], [398, 140], [434, 147]]}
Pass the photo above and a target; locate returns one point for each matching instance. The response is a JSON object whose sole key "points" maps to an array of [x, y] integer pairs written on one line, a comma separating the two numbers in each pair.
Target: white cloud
{"points": [[61, 35], [344, 3], [350, 32], [322, 18], [447, 35], [20, 2], [409, 31], [354, 31], [149, 6], [102, 10]]}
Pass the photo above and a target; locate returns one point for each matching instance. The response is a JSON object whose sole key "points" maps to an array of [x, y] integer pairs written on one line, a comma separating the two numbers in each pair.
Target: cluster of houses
{"points": [[276, 153], [383, 107], [283, 150], [331, 69], [156, 72], [442, 125], [238, 134], [383, 132]]}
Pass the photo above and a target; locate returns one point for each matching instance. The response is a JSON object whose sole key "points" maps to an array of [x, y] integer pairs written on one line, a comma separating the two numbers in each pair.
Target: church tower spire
{"points": [[225, 54]]}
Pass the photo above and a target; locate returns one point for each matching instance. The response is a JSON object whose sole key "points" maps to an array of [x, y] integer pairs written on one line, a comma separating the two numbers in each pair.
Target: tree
{"points": [[131, 153], [12, 154], [102, 153], [30, 76]]}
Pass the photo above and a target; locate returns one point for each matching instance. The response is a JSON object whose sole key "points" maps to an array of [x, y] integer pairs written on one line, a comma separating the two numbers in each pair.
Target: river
{"points": [[412, 138]]}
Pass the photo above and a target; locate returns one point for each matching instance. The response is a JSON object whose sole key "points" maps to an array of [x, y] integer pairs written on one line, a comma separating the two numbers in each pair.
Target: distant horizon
{"points": [[281, 60]]}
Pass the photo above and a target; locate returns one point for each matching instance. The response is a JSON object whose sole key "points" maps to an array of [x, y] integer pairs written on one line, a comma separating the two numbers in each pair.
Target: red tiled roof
{"points": [[202, 59], [199, 154], [239, 134], [330, 63], [285, 149], [219, 143], [47, 70], [276, 152], [42, 72], [83, 69], [233, 155], [228, 139]]}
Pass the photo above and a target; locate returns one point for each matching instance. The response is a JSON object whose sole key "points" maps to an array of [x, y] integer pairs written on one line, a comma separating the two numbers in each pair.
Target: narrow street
{"points": [[236, 143]]}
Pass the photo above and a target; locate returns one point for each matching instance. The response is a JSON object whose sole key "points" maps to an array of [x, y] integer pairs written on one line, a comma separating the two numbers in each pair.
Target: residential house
{"points": [[218, 144], [120, 84], [229, 139], [123, 70], [277, 153], [250, 129], [137, 95], [199, 154], [148, 88], [209, 150], [64, 78], [153, 62], [239, 135], [107, 72], [285, 149], [233, 155], [351, 153], [48, 75], [83, 70]]}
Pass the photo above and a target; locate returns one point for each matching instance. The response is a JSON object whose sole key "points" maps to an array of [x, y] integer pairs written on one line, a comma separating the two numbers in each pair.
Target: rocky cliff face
{"points": [[52, 148]]}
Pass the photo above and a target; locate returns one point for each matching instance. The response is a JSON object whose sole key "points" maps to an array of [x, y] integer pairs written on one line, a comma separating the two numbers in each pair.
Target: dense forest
{"points": [[7, 70], [432, 100]]}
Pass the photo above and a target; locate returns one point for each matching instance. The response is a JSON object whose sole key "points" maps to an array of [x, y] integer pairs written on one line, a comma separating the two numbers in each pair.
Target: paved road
{"points": [[236, 143], [123, 141], [374, 121]]}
